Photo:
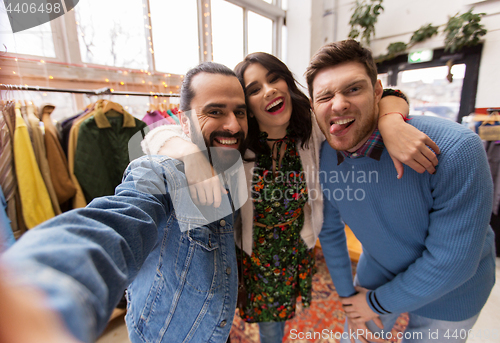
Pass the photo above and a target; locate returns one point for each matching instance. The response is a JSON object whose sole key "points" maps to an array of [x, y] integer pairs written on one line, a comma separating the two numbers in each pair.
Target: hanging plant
{"points": [[423, 33], [463, 30], [393, 50], [364, 18], [396, 48]]}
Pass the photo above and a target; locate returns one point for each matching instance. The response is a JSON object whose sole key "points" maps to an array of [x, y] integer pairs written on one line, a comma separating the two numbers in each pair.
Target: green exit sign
{"points": [[420, 56]]}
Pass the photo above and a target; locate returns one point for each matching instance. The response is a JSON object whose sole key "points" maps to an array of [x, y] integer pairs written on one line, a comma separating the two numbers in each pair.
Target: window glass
{"points": [[260, 33], [111, 33], [430, 92], [227, 33], [175, 35], [269, 1], [35, 41], [384, 78]]}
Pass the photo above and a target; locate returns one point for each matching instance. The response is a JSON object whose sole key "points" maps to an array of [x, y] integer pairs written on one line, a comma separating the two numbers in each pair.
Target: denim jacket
{"points": [[182, 285]]}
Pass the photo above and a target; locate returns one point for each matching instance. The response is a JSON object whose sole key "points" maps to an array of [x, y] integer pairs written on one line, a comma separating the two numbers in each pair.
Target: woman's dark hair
{"points": [[300, 127]]}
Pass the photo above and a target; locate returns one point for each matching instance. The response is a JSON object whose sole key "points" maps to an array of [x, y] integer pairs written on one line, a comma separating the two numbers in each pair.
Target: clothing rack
{"points": [[101, 91]]}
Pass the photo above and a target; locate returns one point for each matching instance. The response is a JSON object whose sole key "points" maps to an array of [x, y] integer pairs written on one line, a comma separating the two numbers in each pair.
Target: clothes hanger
{"points": [[48, 109], [3, 101], [99, 103], [30, 108], [10, 92], [152, 107], [110, 105]]}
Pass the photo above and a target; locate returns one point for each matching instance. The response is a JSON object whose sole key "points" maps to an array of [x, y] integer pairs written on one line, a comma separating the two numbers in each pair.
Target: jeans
{"points": [[271, 332], [419, 330]]}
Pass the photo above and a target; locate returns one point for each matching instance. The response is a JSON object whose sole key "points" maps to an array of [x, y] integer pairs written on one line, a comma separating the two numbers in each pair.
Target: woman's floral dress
{"points": [[281, 266]]}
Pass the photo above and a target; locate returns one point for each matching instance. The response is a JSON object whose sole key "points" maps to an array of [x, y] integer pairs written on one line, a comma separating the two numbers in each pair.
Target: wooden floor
{"points": [[116, 332]]}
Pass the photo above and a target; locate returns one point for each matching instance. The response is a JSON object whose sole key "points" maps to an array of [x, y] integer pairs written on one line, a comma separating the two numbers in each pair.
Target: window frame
{"points": [[470, 56], [270, 11], [67, 66]]}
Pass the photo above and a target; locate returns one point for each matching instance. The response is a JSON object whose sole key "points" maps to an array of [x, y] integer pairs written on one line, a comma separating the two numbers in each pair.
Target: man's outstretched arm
{"points": [[83, 260]]}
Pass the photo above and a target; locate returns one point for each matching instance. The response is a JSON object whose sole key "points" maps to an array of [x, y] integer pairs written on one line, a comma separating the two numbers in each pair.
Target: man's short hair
{"points": [[333, 54], [187, 92]]}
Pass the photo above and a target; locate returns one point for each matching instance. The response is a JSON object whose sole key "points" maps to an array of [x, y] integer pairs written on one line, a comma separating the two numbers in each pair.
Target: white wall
{"points": [[396, 23], [298, 20], [489, 72]]}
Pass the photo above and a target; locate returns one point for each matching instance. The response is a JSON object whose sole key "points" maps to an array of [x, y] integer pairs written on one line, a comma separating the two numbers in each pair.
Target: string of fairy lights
{"points": [[116, 78]]}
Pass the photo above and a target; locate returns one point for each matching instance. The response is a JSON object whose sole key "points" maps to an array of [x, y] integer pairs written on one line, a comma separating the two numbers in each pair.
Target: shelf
{"points": [[117, 312], [353, 245]]}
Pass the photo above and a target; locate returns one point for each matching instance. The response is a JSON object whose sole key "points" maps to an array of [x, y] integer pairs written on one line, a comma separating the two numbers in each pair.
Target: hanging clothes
{"points": [[168, 117], [66, 129], [79, 199], [102, 154], [8, 180], [155, 119], [24, 114], [6, 234], [174, 117], [41, 156], [58, 164], [15, 213], [493, 153], [175, 112], [35, 199]]}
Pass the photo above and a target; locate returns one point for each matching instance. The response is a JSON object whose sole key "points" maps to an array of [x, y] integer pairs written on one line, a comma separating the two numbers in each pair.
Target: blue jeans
{"points": [[271, 332], [420, 329]]}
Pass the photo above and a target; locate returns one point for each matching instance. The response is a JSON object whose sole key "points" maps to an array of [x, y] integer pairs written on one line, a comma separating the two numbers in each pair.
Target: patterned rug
{"points": [[322, 320]]}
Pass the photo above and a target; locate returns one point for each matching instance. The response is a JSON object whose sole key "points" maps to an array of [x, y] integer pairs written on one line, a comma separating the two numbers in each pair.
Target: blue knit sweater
{"points": [[427, 245]]}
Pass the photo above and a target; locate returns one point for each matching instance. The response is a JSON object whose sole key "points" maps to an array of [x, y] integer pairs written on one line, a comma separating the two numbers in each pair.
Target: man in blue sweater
{"points": [[427, 246]]}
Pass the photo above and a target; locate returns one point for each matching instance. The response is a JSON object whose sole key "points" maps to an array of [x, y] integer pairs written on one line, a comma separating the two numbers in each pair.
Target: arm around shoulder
{"points": [[156, 138]]}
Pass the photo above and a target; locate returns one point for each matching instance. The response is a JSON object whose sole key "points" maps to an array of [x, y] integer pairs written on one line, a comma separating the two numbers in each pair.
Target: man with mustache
{"points": [[428, 248], [176, 259]]}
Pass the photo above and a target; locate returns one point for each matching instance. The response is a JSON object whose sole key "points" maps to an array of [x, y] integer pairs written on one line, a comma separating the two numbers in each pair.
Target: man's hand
{"points": [[357, 309], [24, 318], [406, 144], [205, 187]]}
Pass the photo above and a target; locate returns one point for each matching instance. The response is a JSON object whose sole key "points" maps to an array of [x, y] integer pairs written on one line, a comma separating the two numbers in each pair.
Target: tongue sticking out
{"points": [[336, 129]]}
